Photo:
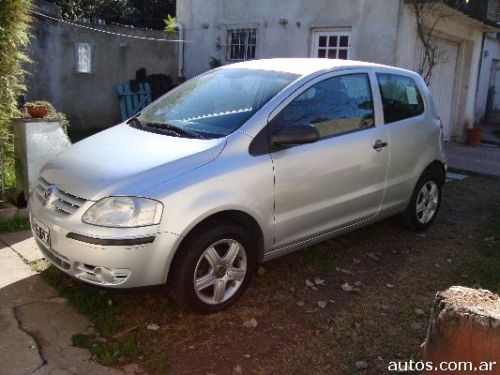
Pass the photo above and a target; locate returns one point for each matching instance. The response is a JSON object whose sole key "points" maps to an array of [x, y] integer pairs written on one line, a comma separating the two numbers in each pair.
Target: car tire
{"points": [[212, 268], [425, 201]]}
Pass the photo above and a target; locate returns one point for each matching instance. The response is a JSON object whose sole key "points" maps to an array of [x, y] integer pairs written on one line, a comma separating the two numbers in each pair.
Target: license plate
{"points": [[40, 231]]}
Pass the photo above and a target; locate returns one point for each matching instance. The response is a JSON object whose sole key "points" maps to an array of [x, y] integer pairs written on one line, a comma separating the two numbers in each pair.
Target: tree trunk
{"points": [[464, 327]]}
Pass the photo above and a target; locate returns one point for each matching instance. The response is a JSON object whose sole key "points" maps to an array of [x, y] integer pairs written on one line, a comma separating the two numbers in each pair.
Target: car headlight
{"points": [[124, 212]]}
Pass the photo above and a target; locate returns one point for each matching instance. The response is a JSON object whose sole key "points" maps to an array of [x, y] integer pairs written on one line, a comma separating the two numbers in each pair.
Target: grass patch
{"points": [[95, 303], [482, 269], [14, 225], [84, 340], [40, 265], [125, 348], [99, 306], [107, 353]]}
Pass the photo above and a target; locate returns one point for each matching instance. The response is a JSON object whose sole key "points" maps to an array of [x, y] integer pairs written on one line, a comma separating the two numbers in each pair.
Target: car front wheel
{"points": [[212, 268]]}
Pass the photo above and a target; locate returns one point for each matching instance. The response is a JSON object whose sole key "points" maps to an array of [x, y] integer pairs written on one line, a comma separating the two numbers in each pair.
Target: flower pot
{"points": [[474, 136], [37, 111]]}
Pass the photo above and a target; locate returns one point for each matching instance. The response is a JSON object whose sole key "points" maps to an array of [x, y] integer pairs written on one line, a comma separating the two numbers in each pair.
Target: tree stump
{"points": [[464, 327]]}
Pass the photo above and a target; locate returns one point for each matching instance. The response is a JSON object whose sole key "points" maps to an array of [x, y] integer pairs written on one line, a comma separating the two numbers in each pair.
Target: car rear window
{"points": [[400, 97]]}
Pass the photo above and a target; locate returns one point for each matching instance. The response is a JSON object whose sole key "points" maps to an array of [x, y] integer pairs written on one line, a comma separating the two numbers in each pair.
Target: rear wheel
{"points": [[213, 267], [425, 202]]}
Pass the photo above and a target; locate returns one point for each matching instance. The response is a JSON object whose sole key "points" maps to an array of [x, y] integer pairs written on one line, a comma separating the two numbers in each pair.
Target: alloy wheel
{"points": [[427, 202], [220, 271]]}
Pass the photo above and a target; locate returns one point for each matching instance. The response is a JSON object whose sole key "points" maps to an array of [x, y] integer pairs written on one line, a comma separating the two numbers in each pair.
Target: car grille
{"points": [[65, 203]]}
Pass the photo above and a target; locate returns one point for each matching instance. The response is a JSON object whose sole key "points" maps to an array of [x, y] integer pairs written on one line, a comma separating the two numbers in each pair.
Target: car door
{"points": [[339, 180], [412, 139]]}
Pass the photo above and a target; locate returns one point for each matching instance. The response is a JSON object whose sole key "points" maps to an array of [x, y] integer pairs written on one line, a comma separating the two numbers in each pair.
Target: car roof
{"points": [[307, 66]]}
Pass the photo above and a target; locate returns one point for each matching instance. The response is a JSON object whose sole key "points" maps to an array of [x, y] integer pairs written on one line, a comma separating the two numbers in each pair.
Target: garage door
{"points": [[443, 82]]}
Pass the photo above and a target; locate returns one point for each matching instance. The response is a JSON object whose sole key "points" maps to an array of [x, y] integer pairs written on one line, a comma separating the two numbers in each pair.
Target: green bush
{"points": [[14, 36]]}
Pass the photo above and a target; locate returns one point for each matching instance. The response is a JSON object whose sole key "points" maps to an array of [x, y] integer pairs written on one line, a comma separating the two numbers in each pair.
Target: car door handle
{"points": [[379, 145]]}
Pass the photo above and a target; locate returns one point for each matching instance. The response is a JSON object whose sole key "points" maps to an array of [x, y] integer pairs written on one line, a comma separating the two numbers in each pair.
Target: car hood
{"points": [[113, 161]]}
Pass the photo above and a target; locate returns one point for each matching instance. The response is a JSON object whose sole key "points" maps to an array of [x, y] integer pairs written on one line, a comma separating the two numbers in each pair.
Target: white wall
{"points": [[373, 24], [468, 34], [383, 31], [491, 51]]}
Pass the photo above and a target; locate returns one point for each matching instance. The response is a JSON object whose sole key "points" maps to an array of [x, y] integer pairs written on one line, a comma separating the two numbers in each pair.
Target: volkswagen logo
{"points": [[49, 195]]}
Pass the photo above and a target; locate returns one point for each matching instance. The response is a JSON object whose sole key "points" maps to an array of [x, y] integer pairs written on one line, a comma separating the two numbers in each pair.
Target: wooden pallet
{"points": [[131, 102]]}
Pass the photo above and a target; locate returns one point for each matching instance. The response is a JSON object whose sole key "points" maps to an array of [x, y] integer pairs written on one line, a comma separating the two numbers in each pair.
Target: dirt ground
{"points": [[306, 320]]}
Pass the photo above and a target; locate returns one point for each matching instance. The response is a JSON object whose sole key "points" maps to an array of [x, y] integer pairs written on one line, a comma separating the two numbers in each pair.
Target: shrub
{"points": [[14, 36]]}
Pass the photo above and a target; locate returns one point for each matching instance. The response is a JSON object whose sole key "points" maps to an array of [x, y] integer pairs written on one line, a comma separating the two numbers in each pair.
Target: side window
{"points": [[334, 106], [400, 97]]}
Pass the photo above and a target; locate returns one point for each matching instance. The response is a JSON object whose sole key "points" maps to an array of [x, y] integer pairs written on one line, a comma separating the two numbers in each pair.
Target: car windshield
{"points": [[214, 104]]}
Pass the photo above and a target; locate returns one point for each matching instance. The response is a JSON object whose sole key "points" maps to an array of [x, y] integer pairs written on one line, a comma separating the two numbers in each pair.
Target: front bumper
{"points": [[122, 258]]}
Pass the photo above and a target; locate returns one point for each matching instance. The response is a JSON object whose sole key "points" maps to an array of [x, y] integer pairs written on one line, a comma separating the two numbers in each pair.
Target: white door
{"points": [[442, 83]]}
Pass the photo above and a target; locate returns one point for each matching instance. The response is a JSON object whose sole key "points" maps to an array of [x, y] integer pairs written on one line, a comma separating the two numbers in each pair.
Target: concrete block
{"points": [[24, 244], [18, 351], [12, 268], [36, 142]]}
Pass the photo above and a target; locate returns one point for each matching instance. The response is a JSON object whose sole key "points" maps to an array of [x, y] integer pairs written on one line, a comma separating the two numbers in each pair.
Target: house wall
{"points": [[206, 22], [491, 52], [467, 33], [382, 31], [90, 100]]}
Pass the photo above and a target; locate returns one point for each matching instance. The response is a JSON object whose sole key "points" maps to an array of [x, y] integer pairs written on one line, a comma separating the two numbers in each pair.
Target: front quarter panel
{"points": [[234, 181]]}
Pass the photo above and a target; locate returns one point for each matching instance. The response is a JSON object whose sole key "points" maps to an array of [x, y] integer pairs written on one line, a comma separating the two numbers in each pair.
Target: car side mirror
{"points": [[295, 135]]}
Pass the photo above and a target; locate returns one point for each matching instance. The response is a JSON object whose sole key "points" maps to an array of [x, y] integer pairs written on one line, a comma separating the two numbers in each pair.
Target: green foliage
{"points": [[84, 340], [107, 352], [483, 267], [125, 348], [14, 225], [141, 13], [40, 265], [169, 24], [14, 36], [52, 113], [77, 9]]}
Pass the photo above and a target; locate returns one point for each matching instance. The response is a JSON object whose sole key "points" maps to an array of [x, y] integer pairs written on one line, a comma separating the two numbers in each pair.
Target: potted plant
{"points": [[37, 109], [474, 136], [43, 109]]}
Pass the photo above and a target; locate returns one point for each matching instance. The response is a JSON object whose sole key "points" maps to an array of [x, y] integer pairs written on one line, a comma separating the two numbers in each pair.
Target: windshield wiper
{"points": [[175, 129], [135, 122]]}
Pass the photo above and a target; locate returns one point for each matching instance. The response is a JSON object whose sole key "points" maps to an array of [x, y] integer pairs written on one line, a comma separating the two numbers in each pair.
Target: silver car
{"points": [[238, 166]]}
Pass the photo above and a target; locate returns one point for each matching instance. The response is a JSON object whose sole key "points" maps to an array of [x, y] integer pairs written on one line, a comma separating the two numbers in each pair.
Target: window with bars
{"points": [[241, 44], [332, 45]]}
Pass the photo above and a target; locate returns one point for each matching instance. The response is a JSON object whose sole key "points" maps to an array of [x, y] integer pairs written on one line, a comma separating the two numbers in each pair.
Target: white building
{"points": [[382, 31], [488, 98]]}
